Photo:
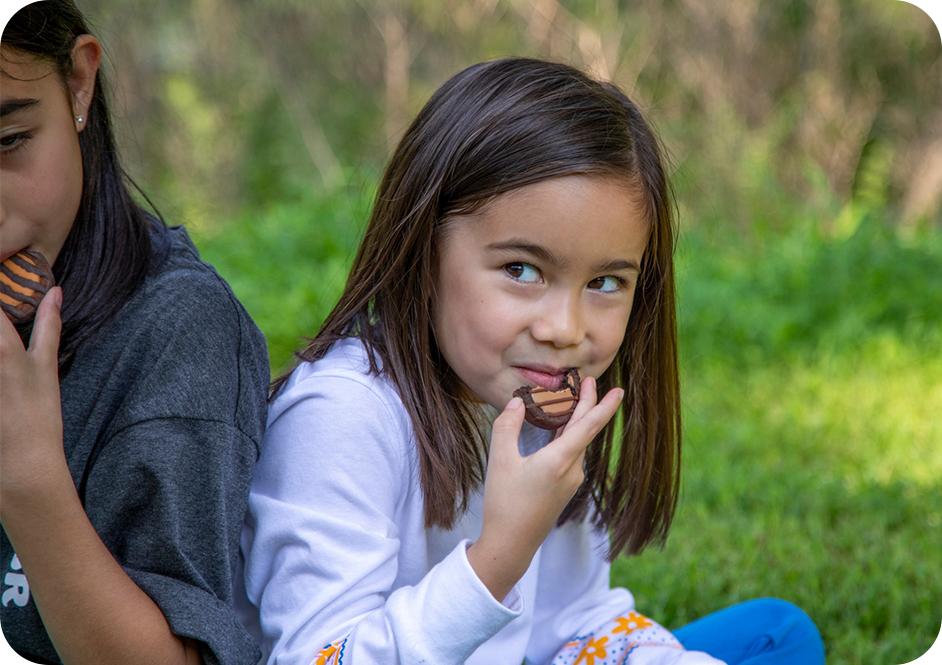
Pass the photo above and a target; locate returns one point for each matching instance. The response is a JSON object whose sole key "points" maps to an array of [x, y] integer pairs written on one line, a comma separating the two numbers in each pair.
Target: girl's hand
{"points": [[524, 496], [31, 451]]}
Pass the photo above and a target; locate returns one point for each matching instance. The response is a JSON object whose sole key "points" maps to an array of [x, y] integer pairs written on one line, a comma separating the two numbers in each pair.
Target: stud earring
{"points": [[80, 119]]}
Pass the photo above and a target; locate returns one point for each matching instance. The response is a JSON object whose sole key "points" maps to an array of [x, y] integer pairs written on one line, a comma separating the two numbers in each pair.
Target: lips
{"points": [[542, 376]]}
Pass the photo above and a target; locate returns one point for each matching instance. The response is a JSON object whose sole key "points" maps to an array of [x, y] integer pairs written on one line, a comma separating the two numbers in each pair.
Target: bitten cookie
{"points": [[24, 279], [551, 409]]}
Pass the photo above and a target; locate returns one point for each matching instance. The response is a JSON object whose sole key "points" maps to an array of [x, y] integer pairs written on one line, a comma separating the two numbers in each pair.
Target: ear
{"points": [[86, 57]]}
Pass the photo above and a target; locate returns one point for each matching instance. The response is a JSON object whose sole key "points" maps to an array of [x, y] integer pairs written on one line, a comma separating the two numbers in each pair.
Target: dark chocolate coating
{"points": [[537, 416], [25, 278]]}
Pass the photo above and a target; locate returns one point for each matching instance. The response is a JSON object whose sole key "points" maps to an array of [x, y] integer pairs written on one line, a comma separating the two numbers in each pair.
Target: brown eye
{"points": [[11, 142], [607, 284], [522, 272]]}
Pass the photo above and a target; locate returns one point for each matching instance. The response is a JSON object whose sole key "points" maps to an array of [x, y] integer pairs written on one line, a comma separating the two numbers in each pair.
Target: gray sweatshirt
{"points": [[163, 412]]}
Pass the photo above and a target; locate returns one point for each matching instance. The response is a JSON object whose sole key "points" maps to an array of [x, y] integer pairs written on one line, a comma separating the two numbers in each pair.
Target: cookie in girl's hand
{"points": [[24, 279], [551, 409]]}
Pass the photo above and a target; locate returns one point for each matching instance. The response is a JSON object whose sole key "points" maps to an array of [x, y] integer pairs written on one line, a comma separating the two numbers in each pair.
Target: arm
{"points": [[93, 611], [331, 508]]}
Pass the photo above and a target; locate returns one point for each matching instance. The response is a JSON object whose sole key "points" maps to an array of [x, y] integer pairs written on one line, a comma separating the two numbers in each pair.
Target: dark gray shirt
{"points": [[163, 412]]}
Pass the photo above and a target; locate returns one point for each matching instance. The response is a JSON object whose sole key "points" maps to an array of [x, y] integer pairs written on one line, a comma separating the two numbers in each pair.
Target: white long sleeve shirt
{"points": [[336, 552]]}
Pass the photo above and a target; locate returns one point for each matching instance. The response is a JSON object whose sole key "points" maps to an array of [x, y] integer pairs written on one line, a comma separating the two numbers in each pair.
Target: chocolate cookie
{"points": [[24, 279], [551, 409]]}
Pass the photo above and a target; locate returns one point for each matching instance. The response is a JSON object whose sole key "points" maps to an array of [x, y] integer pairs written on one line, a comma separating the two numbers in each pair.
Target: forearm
{"points": [[92, 610], [442, 618]]}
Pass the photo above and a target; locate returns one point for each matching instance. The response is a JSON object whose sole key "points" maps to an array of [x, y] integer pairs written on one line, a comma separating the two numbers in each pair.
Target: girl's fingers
{"points": [[44, 340], [8, 336], [587, 399], [580, 434]]}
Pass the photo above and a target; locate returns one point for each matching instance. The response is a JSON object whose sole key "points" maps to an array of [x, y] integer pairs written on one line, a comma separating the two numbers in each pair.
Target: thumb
{"points": [[506, 431], [44, 339]]}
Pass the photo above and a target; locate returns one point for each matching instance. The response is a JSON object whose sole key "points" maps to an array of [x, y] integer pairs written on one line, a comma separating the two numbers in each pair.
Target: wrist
{"points": [[498, 567], [32, 485]]}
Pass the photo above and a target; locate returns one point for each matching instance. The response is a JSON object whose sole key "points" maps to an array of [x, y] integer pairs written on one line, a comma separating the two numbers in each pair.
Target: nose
{"points": [[560, 320]]}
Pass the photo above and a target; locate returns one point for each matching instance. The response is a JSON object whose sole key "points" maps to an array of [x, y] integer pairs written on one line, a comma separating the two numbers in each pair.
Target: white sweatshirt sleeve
{"points": [[321, 541]]}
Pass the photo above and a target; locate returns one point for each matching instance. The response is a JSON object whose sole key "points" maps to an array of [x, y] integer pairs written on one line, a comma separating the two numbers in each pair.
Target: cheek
{"points": [[66, 172], [608, 337], [48, 190], [476, 322]]}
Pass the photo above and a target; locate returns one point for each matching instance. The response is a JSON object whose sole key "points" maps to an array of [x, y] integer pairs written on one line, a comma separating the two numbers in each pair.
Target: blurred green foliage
{"points": [[225, 105], [791, 295]]}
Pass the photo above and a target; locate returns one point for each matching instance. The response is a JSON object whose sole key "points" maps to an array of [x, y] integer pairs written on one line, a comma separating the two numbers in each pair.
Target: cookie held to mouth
{"points": [[551, 409], [24, 279]]}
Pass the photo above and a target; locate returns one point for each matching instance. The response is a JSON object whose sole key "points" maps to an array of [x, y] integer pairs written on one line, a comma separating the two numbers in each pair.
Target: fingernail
{"points": [[514, 404]]}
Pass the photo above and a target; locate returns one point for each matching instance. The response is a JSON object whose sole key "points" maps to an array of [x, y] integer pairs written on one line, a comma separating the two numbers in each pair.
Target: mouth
{"points": [[550, 378], [551, 408]]}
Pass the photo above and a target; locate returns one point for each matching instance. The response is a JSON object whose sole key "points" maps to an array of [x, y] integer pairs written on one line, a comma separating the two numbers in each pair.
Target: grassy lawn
{"points": [[817, 482], [812, 386]]}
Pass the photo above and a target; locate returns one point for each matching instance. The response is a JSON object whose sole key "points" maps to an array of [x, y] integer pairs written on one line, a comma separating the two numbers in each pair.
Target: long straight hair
{"points": [[108, 251], [490, 129]]}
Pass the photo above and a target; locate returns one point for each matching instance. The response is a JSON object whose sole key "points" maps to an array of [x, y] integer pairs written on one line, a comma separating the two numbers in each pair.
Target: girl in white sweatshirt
{"points": [[403, 511]]}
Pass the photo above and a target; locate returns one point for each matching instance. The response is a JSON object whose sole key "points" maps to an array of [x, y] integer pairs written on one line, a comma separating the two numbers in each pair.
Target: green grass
{"points": [[817, 482], [812, 389]]}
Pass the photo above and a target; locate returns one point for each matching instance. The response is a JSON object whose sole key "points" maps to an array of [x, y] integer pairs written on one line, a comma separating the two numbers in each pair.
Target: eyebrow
{"points": [[543, 254], [14, 105]]}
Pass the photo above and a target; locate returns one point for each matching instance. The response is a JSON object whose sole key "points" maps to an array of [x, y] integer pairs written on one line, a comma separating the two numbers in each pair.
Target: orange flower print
{"points": [[325, 655], [631, 623], [330, 655], [592, 650]]}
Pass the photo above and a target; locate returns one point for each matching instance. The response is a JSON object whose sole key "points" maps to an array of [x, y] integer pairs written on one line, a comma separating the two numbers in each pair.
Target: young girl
{"points": [[522, 229], [132, 403]]}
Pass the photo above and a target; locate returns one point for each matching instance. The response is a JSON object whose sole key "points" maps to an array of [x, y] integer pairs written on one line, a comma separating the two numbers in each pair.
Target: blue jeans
{"points": [[765, 631]]}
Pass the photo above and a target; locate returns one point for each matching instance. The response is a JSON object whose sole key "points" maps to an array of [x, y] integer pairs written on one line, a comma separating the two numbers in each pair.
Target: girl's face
{"points": [[40, 160], [538, 281]]}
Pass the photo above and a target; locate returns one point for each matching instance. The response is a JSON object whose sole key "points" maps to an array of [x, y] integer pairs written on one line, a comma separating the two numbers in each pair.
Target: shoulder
{"points": [[338, 441], [183, 346], [186, 304], [336, 402], [185, 293], [345, 365]]}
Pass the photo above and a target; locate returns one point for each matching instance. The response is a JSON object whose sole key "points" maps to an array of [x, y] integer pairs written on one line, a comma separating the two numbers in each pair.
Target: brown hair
{"points": [[490, 129], [109, 248]]}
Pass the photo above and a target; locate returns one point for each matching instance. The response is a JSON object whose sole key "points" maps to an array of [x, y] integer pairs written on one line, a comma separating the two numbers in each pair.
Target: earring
{"points": [[80, 119]]}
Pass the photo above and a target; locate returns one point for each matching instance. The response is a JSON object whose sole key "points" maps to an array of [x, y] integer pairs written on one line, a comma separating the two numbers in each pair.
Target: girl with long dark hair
{"points": [[519, 250], [133, 398]]}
